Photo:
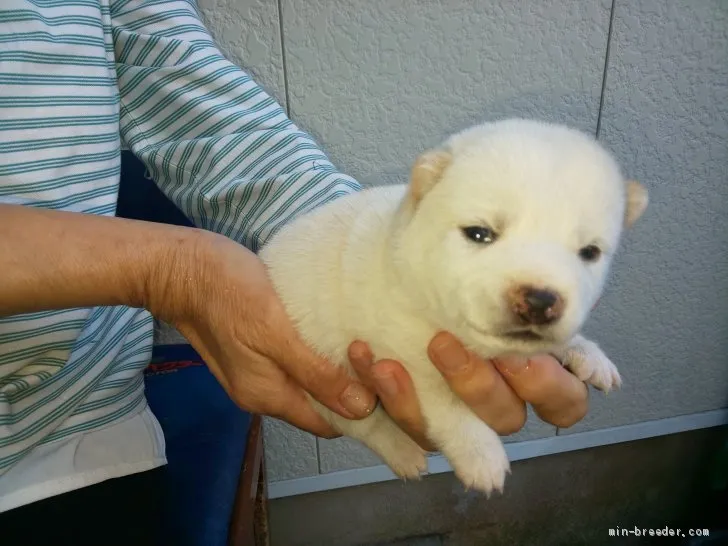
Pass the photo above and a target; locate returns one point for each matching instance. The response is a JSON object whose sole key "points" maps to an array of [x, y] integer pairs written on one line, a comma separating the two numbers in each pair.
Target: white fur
{"points": [[391, 266]]}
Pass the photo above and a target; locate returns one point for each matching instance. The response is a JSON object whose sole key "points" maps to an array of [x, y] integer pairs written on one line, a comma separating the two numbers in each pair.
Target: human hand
{"points": [[497, 391], [218, 295]]}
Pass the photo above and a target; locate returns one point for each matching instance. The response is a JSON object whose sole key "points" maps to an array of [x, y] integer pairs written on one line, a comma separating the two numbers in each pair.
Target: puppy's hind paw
{"points": [[408, 467], [403, 455], [485, 476], [412, 470], [484, 468]]}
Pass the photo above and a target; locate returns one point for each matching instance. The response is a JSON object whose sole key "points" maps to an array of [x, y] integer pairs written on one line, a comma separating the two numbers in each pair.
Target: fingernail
{"points": [[512, 365], [386, 382], [451, 356], [357, 400]]}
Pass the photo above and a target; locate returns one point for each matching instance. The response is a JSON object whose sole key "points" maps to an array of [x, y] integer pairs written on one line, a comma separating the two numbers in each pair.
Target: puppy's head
{"points": [[508, 232]]}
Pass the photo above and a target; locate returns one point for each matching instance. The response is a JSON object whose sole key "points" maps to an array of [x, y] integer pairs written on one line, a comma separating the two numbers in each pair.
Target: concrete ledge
{"points": [[516, 451], [574, 497]]}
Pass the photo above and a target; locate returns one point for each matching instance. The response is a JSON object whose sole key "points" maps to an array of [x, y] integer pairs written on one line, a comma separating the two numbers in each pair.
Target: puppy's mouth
{"points": [[519, 335], [523, 335]]}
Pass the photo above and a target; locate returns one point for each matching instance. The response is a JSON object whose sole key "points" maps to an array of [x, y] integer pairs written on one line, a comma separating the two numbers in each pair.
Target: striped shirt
{"points": [[79, 79]]}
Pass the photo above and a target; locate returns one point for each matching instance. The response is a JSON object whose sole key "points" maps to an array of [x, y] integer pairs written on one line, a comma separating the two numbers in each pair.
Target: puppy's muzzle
{"points": [[535, 306]]}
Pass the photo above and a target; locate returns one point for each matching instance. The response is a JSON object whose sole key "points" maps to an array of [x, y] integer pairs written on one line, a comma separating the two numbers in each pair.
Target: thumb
{"points": [[297, 411], [329, 384]]}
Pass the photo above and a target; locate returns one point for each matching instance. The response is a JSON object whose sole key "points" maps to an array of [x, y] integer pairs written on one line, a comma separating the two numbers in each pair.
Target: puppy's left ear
{"points": [[427, 171], [637, 199]]}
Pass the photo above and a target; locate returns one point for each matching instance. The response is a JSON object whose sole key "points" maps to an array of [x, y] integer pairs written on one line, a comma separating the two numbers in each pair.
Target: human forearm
{"points": [[57, 260], [214, 290]]}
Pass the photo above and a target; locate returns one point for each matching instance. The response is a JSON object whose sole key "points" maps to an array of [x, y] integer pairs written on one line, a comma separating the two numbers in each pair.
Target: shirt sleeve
{"points": [[213, 140]]}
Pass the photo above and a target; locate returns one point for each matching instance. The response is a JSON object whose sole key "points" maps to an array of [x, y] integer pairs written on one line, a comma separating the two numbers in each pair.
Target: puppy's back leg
{"points": [[475, 452], [380, 434]]}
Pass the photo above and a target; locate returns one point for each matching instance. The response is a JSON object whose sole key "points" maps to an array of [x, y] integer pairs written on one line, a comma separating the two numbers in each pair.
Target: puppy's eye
{"points": [[479, 234], [590, 253]]}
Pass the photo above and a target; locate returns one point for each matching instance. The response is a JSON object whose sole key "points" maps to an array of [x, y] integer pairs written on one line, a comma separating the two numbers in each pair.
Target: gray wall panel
{"points": [[665, 319]]}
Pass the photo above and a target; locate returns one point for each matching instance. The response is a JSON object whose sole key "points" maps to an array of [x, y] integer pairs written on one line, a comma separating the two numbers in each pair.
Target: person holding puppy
{"points": [[80, 286]]}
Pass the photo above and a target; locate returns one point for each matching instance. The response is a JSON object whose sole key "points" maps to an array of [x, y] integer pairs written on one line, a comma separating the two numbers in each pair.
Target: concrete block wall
{"points": [[377, 82]]}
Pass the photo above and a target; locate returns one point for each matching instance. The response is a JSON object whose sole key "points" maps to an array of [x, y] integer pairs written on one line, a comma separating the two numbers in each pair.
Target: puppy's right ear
{"points": [[637, 199], [427, 172]]}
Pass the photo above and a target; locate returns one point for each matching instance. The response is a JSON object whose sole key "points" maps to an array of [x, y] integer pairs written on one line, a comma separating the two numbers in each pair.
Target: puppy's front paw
{"points": [[589, 363]]}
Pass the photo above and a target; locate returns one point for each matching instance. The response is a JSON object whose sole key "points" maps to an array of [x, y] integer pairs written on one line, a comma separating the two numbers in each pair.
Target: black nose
{"points": [[539, 301], [536, 306]]}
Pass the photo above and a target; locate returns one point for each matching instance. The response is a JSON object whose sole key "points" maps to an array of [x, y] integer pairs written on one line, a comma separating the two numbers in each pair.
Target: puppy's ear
{"points": [[637, 199], [427, 172]]}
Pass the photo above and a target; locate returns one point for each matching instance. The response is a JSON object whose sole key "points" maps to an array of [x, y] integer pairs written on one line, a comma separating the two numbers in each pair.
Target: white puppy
{"points": [[504, 237]]}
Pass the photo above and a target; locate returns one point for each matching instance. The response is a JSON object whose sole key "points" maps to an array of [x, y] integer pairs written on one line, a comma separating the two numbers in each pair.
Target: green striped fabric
{"points": [[79, 79]]}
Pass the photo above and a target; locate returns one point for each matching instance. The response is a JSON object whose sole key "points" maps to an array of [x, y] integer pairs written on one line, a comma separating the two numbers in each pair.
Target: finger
{"points": [[362, 360], [298, 412], [395, 390], [399, 399], [266, 389], [270, 388], [556, 395], [479, 384], [330, 385]]}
